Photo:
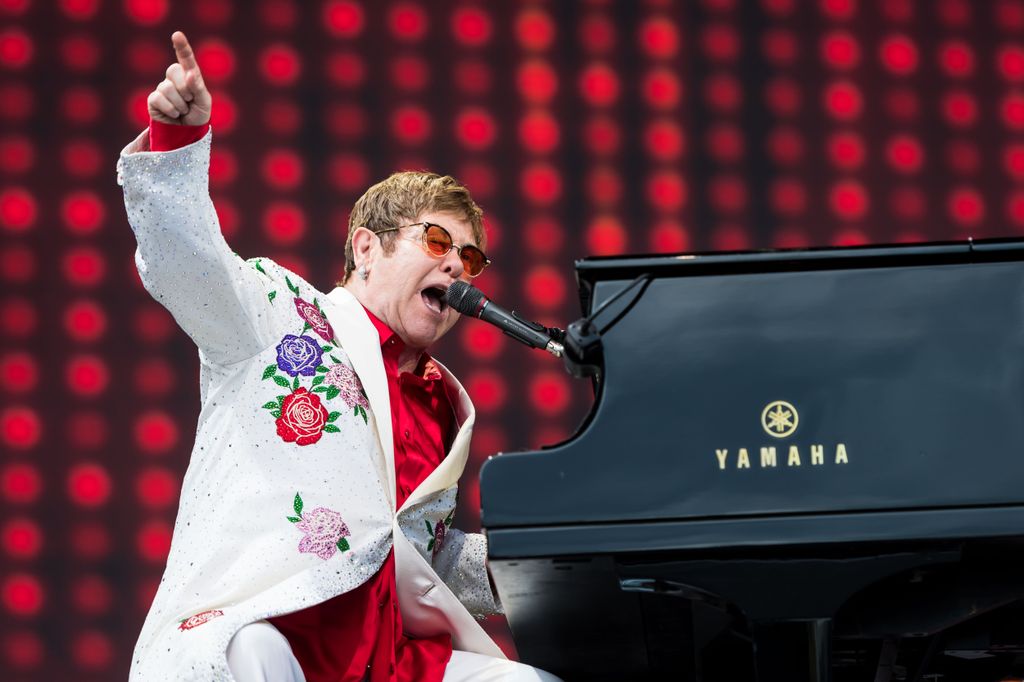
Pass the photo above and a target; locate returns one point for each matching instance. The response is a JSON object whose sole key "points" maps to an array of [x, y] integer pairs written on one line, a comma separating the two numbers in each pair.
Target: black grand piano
{"points": [[799, 465]]}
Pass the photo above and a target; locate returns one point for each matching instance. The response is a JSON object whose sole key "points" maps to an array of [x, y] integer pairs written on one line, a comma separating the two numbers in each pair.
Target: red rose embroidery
{"points": [[199, 619], [315, 318], [302, 419]]}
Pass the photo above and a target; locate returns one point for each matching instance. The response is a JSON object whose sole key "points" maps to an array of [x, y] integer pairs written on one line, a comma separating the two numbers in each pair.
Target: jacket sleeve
{"points": [[462, 564], [216, 297]]}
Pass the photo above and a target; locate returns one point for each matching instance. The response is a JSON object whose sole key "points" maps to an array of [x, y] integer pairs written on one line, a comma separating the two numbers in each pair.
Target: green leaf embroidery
{"points": [[333, 392], [355, 411], [326, 349], [271, 296], [276, 414], [297, 504], [272, 405], [318, 379], [316, 304], [333, 416], [305, 327], [322, 369], [269, 371], [320, 389], [430, 545], [281, 381], [430, 529], [343, 545], [259, 267], [294, 289], [295, 384], [336, 360], [363, 413], [294, 519], [331, 428], [280, 400]]}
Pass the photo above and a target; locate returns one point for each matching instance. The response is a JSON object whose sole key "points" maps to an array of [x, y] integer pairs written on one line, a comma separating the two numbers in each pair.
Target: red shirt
{"points": [[358, 635]]}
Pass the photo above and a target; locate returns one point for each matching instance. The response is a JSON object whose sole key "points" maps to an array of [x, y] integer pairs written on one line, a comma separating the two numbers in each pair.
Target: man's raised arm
{"points": [[218, 299]]}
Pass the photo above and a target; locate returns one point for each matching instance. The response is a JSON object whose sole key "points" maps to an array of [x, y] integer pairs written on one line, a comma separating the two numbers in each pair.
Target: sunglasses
{"points": [[438, 242]]}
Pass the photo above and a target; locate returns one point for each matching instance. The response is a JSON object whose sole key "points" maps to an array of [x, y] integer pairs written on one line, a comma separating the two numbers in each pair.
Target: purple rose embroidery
{"points": [[439, 532], [345, 380], [324, 532], [315, 318], [298, 355]]}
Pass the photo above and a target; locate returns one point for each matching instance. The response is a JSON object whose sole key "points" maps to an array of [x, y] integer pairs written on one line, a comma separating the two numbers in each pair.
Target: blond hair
{"points": [[404, 197]]}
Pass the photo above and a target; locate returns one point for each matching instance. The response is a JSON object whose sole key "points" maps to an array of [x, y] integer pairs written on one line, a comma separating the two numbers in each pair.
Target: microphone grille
{"points": [[465, 298]]}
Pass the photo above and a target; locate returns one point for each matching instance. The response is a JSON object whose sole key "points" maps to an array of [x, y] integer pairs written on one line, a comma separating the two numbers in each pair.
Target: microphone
{"points": [[469, 300]]}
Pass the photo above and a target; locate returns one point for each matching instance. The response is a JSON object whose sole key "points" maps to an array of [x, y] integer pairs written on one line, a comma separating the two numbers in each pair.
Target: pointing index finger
{"points": [[183, 50]]}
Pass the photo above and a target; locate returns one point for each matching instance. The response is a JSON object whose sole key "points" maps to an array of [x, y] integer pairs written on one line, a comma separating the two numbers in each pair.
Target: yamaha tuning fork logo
{"points": [[780, 419]]}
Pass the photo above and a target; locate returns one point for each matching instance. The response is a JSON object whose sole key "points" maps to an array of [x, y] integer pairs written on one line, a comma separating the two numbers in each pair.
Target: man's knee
{"points": [[259, 653]]}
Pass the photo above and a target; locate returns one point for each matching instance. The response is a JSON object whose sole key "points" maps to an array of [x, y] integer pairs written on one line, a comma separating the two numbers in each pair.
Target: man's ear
{"points": [[364, 241]]}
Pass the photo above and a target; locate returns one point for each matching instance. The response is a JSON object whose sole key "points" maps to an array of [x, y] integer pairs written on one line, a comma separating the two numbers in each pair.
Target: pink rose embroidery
{"points": [[314, 317], [303, 418], [345, 380], [199, 619], [324, 530], [438, 533]]}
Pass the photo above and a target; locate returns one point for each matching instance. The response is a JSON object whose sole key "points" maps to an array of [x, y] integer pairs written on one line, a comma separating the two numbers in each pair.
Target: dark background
{"points": [[583, 128]]}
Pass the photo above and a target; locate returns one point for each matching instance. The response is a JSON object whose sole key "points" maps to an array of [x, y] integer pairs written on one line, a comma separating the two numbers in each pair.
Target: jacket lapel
{"points": [[448, 471], [361, 342]]}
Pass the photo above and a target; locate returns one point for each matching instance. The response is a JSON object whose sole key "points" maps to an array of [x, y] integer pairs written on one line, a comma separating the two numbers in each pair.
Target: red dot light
{"points": [[92, 595], [1013, 160], [966, 206], [153, 541], [482, 341], [411, 124], [536, 81], [17, 263], [146, 12], [89, 485], [960, 109], [602, 135], [838, 9], [20, 427], [21, 538], [82, 212], [849, 200], [348, 172], [24, 650], [407, 21], [597, 33], [606, 237], [284, 223], [1010, 60], [79, 9], [16, 48], [843, 100], [846, 150], [534, 29], [541, 183], [155, 432], [282, 169], [664, 140], [85, 321], [785, 146], [549, 393], [92, 650], [539, 132], [22, 594], [18, 102], [473, 76], [343, 18], [17, 209], [898, 54], [720, 42], [604, 186], [87, 375], [1012, 111], [723, 92], [956, 58], [668, 236], [725, 143], [788, 197], [840, 50], [667, 190], [87, 430], [728, 194], [81, 157], [80, 53], [90, 540], [84, 266], [154, 376], [661, 88], [544, 236], [471, 26], [217, 60], [156, 488], [18, 372], [20, 483], [280, 64], [409, 72], [475, 128], [659, 37], [782, 96], [17, 154], [544, 287], [345, 69], [599, 85], [904, 153], [780, 46]]}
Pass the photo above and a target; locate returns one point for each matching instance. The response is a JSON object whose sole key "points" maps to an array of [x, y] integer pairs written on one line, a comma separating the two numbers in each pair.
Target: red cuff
{"points": [[165, 137]]}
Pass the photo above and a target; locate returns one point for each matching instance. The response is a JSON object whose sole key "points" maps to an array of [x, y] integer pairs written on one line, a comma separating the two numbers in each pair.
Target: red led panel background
{"points": [[583, 128]]}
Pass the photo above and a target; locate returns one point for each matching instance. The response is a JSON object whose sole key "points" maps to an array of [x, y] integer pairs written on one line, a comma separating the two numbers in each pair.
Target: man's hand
{"points": [[182, 97]]}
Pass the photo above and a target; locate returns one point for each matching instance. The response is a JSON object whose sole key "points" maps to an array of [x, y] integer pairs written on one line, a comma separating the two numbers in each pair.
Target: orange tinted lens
{"points": [[437, 239], [473, 260]]}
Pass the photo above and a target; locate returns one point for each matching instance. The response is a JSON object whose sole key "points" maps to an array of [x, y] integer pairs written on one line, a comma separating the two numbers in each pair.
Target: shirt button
{"points": [[407, 433]]}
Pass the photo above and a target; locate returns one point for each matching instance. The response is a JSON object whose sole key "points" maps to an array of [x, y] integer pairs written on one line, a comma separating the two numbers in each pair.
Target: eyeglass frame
{"points": [[458, 249]]}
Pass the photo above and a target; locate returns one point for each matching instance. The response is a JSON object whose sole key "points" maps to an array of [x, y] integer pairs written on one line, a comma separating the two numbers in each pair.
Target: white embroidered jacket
{"points": [[289, 495]]}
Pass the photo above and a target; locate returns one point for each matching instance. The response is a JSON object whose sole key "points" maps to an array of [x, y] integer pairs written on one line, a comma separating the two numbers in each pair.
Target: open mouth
{"points": [[433, 298]]}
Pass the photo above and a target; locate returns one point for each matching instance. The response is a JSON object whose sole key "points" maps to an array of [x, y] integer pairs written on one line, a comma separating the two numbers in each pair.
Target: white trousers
{"points": [[259, 653]]}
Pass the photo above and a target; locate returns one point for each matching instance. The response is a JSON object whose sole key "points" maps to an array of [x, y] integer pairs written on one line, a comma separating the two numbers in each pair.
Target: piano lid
{"points": [[790, 382]]}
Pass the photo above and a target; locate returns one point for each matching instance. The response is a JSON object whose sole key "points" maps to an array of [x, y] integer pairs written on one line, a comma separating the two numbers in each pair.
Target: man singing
{"points": [[313, 537]]}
